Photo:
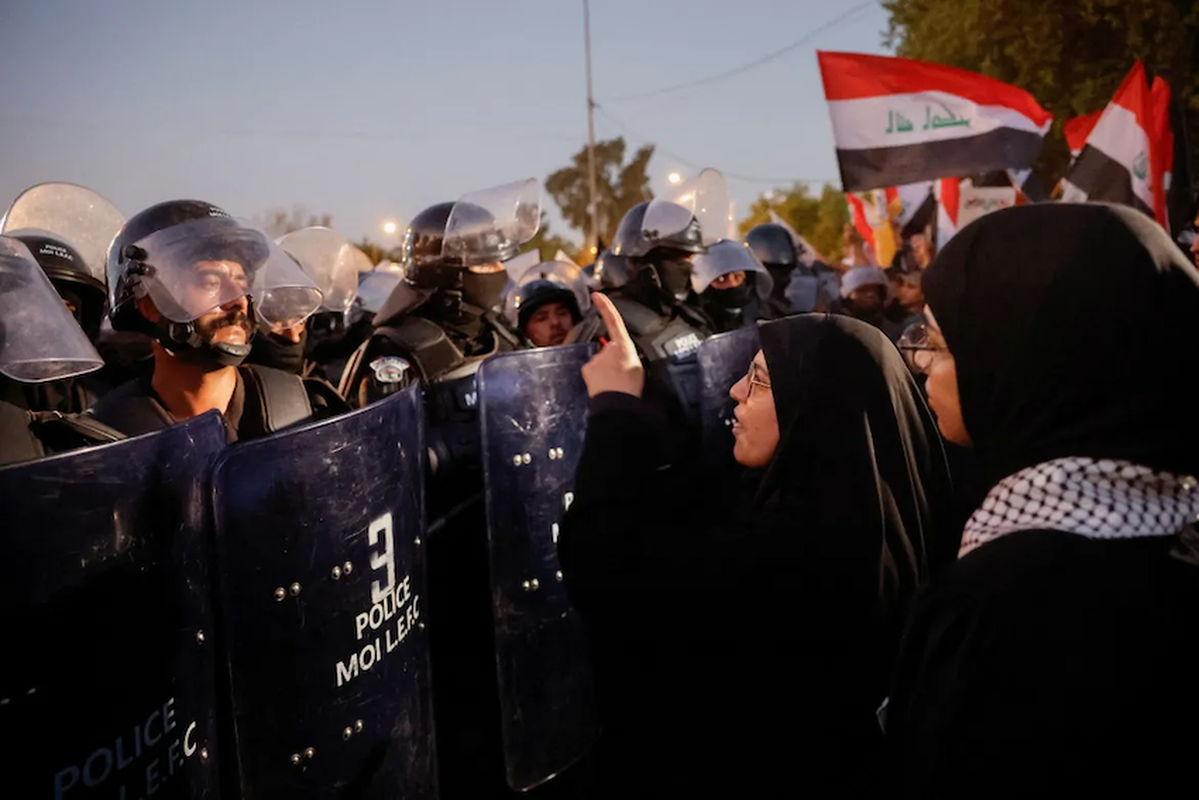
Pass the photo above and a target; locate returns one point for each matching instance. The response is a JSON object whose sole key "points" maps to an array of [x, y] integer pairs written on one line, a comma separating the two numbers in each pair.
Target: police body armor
{"points": [[322, 595], [533, 414], [668, 346], [108, 685]]}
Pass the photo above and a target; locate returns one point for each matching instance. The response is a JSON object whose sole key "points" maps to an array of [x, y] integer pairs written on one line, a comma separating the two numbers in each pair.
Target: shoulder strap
{"points": [[17, 442], [427, 343], [130, 410], [86, 426], [349, 373], [276, 398]]}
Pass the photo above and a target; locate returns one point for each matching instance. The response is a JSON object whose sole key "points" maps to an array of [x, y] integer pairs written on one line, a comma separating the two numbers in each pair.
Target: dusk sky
{"points": [[373, 109]]}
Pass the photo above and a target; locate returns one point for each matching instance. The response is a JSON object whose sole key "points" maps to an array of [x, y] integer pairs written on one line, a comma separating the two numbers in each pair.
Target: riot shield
{"points": [[322, 600], [723, 360], [107, 682], [533, 412]]}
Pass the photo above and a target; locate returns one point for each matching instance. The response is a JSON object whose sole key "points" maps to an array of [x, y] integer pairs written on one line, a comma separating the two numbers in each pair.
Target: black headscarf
{"points": [[859, 470], [1075, 332]]}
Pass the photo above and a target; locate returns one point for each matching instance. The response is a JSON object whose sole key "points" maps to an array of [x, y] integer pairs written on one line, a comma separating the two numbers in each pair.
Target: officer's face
{"points": [[549, 325], [293, 334], [755, 425], [868, 298], [730, 280], [229, 324]]}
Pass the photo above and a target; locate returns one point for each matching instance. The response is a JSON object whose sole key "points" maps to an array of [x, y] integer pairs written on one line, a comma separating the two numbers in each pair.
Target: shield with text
{"points": [[723, 360], [321, 595], [533, 411], [107, 686]]}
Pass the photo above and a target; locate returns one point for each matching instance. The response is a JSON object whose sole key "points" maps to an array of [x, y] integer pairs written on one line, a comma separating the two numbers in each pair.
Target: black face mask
{"points": [[674, 275], [484, 290], [729, 300], [273, 350]]}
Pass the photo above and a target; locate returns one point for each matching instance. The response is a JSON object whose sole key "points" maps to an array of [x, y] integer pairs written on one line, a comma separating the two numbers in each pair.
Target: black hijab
{"points": [[1075, 332], [859, 471]]}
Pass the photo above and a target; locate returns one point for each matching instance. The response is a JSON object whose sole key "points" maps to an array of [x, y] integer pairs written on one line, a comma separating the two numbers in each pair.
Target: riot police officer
{"points": [[659, 239], [547, 302], [195, 280], [66, 228], [802, 282], [40, 341], [733, 286], [436, 328]]}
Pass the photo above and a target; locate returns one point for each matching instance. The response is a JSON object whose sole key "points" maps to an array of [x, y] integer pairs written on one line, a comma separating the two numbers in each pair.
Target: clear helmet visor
{"points": [[704, 197], [77, 215], [490, 225], [375, 287], [195, 267], [541, 277], [724, 258], [39, 337], [331, 261]]}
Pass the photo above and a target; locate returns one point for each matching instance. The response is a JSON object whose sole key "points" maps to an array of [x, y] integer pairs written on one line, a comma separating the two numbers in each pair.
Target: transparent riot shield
{"points": [[322, 598], [533, 410], [723, 360], [107, 685]]}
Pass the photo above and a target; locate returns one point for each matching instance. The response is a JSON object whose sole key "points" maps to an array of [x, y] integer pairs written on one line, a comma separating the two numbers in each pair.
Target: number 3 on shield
{"points": [[384, 559]]}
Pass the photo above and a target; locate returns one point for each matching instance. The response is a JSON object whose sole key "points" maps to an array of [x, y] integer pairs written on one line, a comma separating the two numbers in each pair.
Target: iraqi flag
{"points": [[1078, 129], [898, 121], [1121, 162]]}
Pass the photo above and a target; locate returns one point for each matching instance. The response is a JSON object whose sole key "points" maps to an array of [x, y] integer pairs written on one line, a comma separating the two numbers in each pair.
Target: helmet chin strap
{"points": [[184, 342]]}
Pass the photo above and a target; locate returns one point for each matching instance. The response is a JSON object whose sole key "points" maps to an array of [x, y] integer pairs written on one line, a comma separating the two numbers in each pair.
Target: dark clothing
{"points": [[1045, 659], [742, 646], [1051, 661]]}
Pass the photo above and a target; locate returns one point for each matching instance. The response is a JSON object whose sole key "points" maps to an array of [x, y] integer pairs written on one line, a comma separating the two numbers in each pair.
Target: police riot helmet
{"points": [[547, 282], [658, 227], [773, 245], [70, 275], [39, 338], [157, 254]]}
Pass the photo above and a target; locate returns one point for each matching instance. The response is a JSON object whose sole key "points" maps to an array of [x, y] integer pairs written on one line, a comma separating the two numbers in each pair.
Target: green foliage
{"points": [[619, 186], [1069, 54], [817, 219]]}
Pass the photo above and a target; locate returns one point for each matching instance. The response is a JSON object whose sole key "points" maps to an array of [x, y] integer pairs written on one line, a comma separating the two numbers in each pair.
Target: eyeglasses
{"points": [[751, 375], [920, 348]]}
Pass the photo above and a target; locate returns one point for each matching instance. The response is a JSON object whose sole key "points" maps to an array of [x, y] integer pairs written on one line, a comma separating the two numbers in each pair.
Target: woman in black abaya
{"points": [[743, 645], [1054, 654]]}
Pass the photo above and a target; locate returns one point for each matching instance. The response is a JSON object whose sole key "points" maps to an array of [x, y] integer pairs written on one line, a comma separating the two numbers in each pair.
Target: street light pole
{"points": [[594, 202]]}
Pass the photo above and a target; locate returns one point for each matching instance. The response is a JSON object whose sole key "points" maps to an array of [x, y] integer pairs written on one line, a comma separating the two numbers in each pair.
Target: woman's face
{"points": [[942, 387], [755, 425]]}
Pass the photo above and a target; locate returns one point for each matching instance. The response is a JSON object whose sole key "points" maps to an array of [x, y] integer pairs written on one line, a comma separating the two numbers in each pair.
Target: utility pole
{"points": [[591, 133]]}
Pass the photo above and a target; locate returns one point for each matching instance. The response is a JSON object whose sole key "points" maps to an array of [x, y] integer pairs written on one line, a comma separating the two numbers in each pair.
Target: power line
{"points": [[693, 165], [752, 64]]}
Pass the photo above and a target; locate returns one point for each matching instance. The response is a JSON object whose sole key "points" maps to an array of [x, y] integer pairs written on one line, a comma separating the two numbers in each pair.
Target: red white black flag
{"points": [[1125, 156], [898, 121]]}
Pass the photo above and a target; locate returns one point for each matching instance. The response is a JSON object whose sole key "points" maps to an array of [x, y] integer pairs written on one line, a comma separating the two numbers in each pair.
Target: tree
{"points": [[619, 186], [547, 245], [375, 252], [278, 221], [818, 219], [1071, 56]]}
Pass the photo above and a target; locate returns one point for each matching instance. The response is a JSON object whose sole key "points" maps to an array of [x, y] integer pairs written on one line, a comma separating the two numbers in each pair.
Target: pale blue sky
{"points": [[374, 109]]}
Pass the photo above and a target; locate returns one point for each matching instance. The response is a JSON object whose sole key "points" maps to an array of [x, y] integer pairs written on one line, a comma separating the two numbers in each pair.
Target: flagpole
{"points": [[591, 133]]}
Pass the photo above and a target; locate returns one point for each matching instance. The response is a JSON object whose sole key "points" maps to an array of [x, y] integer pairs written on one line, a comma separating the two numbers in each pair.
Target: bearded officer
{"points": [[196, 280]]}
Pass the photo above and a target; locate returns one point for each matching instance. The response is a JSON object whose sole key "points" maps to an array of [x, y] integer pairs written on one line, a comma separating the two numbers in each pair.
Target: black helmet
{"points": [[129, 265], [477, 238], [772, 245], [612, 270], [540, 293], [66, 269], [633, 240]]}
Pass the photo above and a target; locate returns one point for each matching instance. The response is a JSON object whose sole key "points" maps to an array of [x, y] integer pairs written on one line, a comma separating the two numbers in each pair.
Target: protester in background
{"points": [[866, 291], [744, 645], [906, 305], [856, 251], [1049, 654]]}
